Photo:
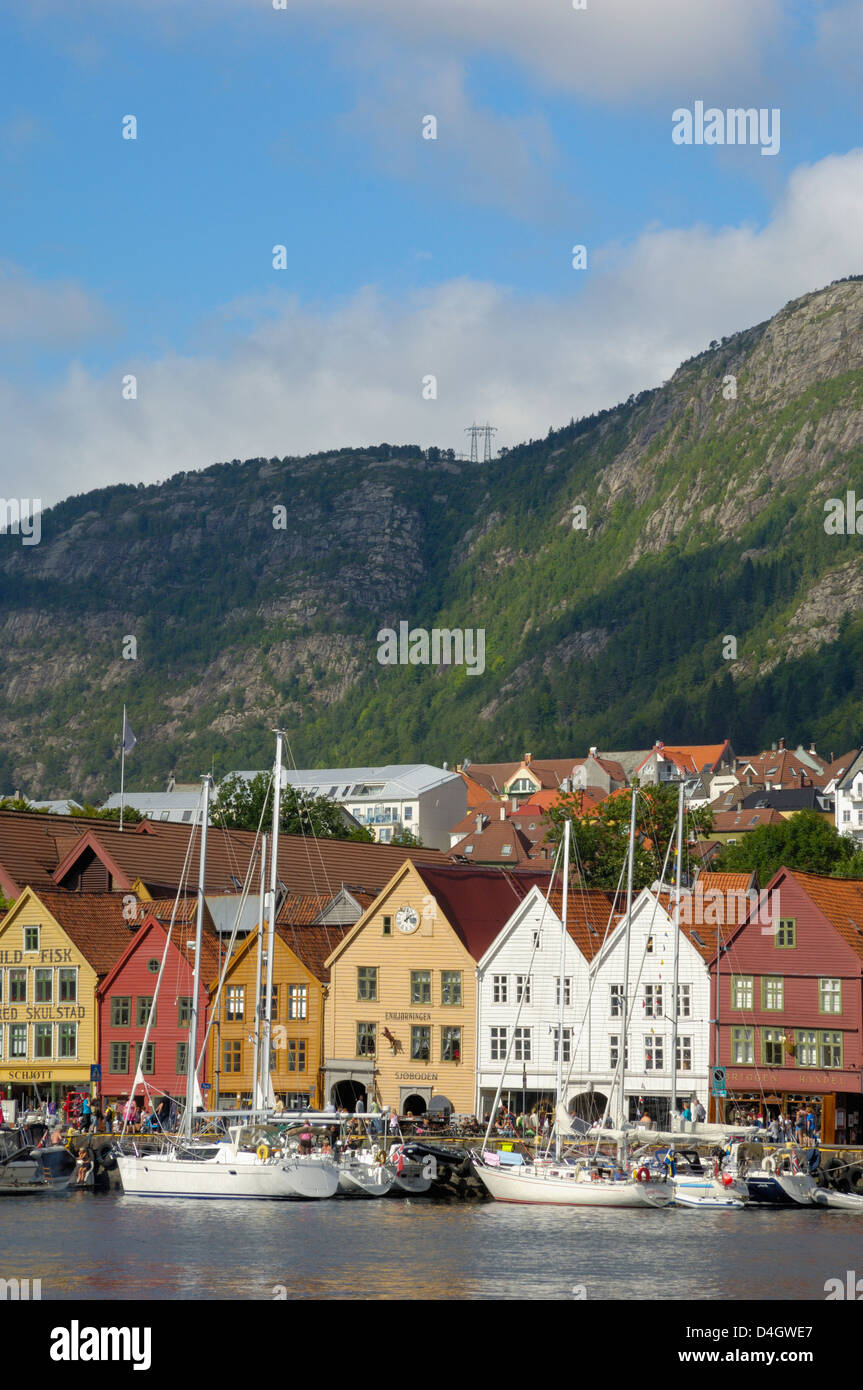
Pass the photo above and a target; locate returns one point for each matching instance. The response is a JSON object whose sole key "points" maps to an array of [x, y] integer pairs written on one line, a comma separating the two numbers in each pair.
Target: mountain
{"points": [[704, 520]]}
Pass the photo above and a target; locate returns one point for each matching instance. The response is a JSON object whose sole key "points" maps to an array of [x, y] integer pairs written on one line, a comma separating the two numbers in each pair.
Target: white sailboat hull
{"points": [[228, 1176], [564, 1186], [365, 1179]]}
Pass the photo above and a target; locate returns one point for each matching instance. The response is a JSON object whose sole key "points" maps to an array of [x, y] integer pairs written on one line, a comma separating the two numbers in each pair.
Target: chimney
{"points": [[527, 758], [812, 746], [479, 823], [781, 745], [503, 812], [593, 752], [773, 747]]}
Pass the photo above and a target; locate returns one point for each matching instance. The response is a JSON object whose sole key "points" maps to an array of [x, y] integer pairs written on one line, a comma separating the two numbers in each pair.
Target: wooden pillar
{"points": [[828, 1119]]}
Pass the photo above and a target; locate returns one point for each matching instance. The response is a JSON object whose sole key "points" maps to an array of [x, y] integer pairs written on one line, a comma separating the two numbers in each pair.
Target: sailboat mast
{"points": [[262, 907], [674, 1008], [192, 1067], [560, 988], [274, 878], [630, 866]]}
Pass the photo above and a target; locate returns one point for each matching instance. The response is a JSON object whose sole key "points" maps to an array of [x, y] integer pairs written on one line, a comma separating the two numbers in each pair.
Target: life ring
{"points": [[643, 1174], [770, 1164], [263, 1152]]}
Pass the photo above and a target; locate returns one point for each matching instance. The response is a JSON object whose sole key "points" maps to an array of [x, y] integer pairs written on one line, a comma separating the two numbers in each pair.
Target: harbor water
{"points": [[86, 1246]]}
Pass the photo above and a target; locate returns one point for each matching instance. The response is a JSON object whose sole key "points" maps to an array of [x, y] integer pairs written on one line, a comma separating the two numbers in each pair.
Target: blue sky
{"points": [[406, 256]]}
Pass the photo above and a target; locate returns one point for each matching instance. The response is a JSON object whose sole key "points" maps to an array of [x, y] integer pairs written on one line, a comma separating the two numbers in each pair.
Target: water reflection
{"points": [[116, 1247]]}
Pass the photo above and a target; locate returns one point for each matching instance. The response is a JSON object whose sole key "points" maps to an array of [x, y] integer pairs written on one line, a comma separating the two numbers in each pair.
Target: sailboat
{"points": [[237, 1167], [586, 1180]]}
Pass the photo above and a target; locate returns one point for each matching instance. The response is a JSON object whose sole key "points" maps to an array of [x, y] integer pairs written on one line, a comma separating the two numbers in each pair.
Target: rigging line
{"points": [[256, 850], [168, 935], [521, 1003], [299, 794]]}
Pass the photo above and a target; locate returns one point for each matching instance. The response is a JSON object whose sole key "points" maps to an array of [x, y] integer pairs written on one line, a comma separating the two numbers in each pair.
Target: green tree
{"points": [[804, 841], [240, 805], [600, 835], [407, 839], [130, 815]]}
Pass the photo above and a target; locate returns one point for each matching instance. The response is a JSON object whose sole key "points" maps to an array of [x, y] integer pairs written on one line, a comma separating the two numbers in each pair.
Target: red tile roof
{"points": [[477, 902], [841, 902], [313, 945], [588, 913], [723, 821], [94, 921]]}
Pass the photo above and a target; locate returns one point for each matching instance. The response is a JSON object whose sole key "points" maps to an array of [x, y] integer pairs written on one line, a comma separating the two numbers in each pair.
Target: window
{"points": [[235, 1003], [148, 1061], [567, 1042], [388, 926], [366, 1039], [67, 1040], [450, 1044], [298, 1001], [182, 1058], [653, 1001], [153, 966], [420, 986], [537, 941], [44, 986], [275, 1002], [807, 1047], [120, 1010], [17, 986], [771, 1047], [521, 1046], [18, 1040], [232, 1055], [450, 987], [119, 1058], [649, 947], [145, 1004], [786, 934], [409, 813], [830, 996], [773, 992], [31, 939], [653, 1053], [499, 991], [522, 989], [68, 986], [567, 990], [831, 1049], [184, 1010], [420, 1042], [296, 1054], [498, 1044], [367, 982], [741, 1046], [684, 1001], [741, 991], [617, 1001], [43, 1040], [614, 1050], [684, 1053]]}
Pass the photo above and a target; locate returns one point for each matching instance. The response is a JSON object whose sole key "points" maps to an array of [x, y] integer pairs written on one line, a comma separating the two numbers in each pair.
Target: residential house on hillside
{"points": [[400, 1023], [389, 800], [598, 771], [519, 781], [666, 763], [789, 800], [505, 840], [848, 811], [729, 826], [790, 1011], [780, 767], [55, 948]]}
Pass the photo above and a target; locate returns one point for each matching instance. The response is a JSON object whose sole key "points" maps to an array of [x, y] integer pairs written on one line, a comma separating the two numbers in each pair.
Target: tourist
{"points": [[86, 1114], [394, 1123], [699, 1113], [800, 1126], [646, 1119], [359, 1108], [687, 1114], [84, 1166], [306, 1138]]}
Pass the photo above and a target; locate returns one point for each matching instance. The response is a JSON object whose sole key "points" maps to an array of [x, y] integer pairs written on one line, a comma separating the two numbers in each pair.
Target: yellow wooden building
{"points": [[400, 1024], [299, 986], [54, 950]]}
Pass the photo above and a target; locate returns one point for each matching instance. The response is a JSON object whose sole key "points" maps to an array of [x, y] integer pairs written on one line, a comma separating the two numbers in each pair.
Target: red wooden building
{"points": [[126, 995], [791, 1006]]}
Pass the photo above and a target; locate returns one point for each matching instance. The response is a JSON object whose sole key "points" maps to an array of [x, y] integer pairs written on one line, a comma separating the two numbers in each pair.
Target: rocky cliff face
{"points": [[218, 603]]}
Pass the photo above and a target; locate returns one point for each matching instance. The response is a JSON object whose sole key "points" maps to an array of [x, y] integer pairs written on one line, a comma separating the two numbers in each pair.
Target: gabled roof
{"points": [[500, 842], [93, 921], [727, 882], [477, 902], [477, 795], [548, 772], [313, 945], [182, 938], [841, 902], [303, 908], [31, 846], [590, 915], [724, 821]]}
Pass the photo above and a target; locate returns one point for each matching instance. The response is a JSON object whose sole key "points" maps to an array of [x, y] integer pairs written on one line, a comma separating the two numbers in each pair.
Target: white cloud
{"points": [[52, 312], [305, 379]]}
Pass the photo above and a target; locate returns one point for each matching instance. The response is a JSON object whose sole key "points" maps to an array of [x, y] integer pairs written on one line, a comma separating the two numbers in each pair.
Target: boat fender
{"points": [[263, 1152], [643, 1174], [727, 1179]]}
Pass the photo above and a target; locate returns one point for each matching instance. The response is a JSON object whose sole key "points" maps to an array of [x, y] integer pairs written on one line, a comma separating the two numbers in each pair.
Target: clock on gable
{"points": [[407, 920]]}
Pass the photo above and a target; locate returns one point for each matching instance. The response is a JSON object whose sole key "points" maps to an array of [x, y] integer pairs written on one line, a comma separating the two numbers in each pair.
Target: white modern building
{"points": [[389, 800], [178, 805]]}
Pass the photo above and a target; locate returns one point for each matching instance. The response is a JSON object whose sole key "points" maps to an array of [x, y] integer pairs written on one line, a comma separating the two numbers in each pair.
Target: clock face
{"points": [[407, 920]]}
